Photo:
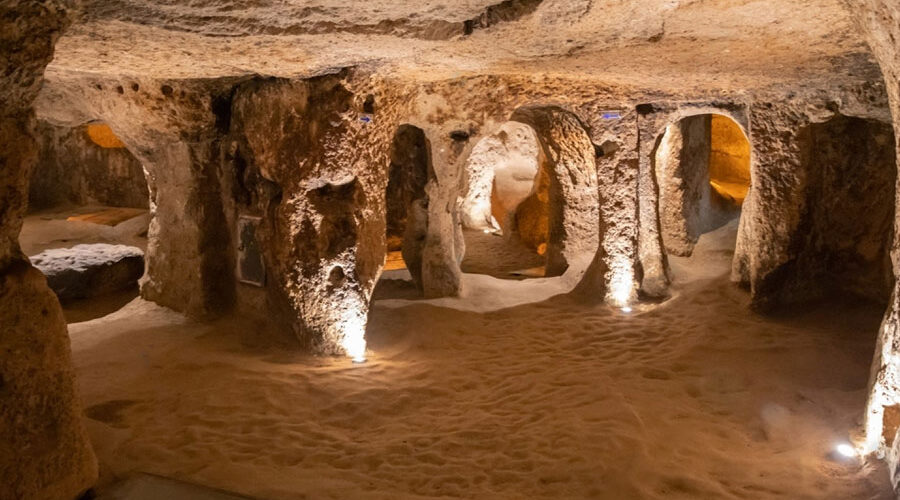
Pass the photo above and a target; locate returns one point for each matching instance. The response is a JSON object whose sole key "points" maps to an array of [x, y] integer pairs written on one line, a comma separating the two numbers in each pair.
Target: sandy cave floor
{"points": [[695, 398]]}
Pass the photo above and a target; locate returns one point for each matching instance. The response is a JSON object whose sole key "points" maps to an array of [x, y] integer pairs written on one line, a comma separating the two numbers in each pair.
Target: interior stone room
{"points": [[313, 249]]}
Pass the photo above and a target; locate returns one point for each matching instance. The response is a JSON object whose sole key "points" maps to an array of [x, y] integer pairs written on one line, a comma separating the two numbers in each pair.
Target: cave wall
{"points": [[72, 169], [456, 114], [45, 452], [406, 200], [407, 176], [729, 160], [779, 254], [681, 218], [175, 130], [531, 219], [500, 174], [574, 207], [847, 227], [879, 20]]}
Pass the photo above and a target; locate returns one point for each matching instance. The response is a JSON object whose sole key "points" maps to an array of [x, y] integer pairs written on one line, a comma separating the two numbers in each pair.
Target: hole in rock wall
{"points": [[86, 227], [506, 208], [405, 213], [702, 166]]}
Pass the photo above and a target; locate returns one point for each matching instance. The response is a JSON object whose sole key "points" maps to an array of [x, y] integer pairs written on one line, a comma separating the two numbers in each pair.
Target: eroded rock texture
{"points": [[880, 21], [319, 177], [573, 195], [812, 172], [500, 174], [45, 452], [406, 200], [287, 116]]}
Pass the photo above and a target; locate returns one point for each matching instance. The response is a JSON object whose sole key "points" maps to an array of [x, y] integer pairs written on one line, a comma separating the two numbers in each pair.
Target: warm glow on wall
{"points": [[729, 159], [103, 136]]}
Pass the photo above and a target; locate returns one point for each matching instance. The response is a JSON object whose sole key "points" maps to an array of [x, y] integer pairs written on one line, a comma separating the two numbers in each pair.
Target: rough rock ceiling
{"points": [[671, 44]]}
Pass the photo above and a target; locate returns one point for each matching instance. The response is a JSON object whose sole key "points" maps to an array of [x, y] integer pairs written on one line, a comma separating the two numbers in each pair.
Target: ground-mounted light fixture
{"points": [[846, 450], [353, 338]]}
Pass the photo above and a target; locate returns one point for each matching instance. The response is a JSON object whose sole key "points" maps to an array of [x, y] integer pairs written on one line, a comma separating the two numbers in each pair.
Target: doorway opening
{"points": [[702, 166]]}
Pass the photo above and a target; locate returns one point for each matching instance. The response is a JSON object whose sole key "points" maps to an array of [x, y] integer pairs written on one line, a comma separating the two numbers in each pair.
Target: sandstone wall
{"points": [[574, 207], [45, 452], [175, 130], [503, 165], [729, 160], [73, 169], [323, 180], [781, 254], [683, 217], [880, 21]]}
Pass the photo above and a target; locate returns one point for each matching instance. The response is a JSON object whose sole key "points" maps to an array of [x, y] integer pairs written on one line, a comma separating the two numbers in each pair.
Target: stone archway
{"points": [[702, 166], [506, 195], [573, 197]]}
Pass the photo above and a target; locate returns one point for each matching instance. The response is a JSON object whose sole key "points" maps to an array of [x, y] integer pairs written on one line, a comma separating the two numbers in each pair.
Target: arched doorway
{"points": [[506, 207], [541, 171], [702, 167]]}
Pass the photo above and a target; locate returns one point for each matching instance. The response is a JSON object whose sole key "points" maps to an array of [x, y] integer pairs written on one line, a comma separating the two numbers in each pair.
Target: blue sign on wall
{"points": [[611, 115]]}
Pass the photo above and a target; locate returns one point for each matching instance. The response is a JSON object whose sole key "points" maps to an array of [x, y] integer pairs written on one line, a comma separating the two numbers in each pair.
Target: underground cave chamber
{"points": [[522, 249], [530, 198]]}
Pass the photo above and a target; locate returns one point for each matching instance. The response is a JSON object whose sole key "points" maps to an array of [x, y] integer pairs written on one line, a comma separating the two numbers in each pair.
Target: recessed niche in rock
{"points": [[406, 203], [87, 189]]}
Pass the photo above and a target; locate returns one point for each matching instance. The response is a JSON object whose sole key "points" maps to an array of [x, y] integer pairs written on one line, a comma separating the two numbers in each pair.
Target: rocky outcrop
{"points": [[91, 270], [73, 169], [45, 452]]}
